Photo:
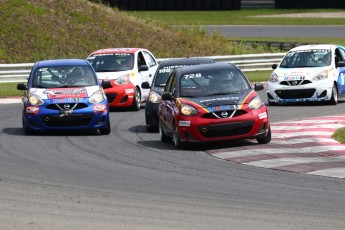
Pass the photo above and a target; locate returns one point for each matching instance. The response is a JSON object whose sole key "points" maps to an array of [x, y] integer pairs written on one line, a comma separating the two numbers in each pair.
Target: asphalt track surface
{"points": [[130, 180], [279, 31]]}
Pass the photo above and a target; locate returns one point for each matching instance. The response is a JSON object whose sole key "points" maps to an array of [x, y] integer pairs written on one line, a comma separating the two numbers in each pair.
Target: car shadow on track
{"points": [[20, 132], [299, 104], [156, 143]]}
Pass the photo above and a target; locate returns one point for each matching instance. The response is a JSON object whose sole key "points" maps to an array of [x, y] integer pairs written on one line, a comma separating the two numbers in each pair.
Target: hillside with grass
{"points": [[33, 30]]}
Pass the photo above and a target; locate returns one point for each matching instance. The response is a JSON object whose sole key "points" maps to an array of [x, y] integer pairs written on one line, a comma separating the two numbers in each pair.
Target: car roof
{"points": [[205, 67], [117, 50], [316, 46], [56, 62], [186, 61]]}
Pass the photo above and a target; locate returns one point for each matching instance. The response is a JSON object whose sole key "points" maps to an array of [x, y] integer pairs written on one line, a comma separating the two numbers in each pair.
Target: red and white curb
{"points": [[303, 146], [10, 100]]}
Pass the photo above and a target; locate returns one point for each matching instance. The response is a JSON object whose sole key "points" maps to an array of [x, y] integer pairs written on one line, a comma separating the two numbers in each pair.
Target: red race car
{"points": [[122, 70], [211, 102]]}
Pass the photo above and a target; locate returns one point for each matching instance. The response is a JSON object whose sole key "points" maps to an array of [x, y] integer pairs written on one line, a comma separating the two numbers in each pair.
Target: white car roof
{"points": [[318, 46]]}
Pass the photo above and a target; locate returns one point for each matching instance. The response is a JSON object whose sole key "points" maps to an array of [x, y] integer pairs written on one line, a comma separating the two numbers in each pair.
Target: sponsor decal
{"points": [[221, 108], [262, 115], [65, 100], [66, 93], [100, 108], [168, 69], [293, 78], [184, 123], [129, 90], [32, 110], [220, 99]]}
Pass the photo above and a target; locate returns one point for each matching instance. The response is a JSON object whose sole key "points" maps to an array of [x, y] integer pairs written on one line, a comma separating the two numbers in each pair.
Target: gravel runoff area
{"points": [[306, 15]]}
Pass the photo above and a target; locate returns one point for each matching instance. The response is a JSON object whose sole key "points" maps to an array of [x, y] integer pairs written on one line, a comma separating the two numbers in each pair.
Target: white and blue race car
{"points": [[308, 73]]}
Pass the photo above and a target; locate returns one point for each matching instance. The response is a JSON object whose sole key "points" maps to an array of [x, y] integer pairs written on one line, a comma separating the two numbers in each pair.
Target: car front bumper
{"points": [[313, 92], [251, 125], [50, 117], [120, 95]]}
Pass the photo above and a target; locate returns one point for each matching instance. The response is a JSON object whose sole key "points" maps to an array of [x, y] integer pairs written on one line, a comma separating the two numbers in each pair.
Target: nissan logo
{"points": [[294, 83], [224, 114], [66, 106]]}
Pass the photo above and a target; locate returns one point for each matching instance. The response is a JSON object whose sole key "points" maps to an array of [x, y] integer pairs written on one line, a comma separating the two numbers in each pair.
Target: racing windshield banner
{"points": [[66, 93]]}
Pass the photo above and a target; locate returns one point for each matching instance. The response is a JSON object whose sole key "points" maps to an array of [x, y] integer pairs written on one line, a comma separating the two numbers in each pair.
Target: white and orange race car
{"points": [[122, 70]]}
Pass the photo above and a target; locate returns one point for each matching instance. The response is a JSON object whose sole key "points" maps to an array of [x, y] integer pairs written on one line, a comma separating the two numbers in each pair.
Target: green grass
{"points": [[9, 89], [339, 41], [237, 17], [33, 30], [258, 76], [339, 135], [246, 17]]}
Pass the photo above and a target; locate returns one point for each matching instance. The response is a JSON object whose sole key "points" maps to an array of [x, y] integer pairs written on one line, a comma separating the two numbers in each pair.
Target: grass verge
{"points": [[339, 135], [238, 17], [9, 89]]}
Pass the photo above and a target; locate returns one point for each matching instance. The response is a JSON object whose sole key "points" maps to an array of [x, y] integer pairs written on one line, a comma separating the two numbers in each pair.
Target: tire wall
{"points": [[171, 5], [310, 4]]}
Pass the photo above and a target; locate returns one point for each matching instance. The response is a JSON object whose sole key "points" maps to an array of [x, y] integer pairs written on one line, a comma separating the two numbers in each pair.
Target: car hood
{"points": [[56, 93], [282, 72], [221, 100], [158, 90], [113, 75]]}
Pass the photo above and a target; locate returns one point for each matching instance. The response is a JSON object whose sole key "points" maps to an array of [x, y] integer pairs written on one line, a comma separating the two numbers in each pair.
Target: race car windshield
{"points": [[215, 82], [307, 58], [64, 76], [113, 62]]}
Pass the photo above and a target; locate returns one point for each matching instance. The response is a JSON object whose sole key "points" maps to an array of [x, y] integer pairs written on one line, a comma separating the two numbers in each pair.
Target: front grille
{"points": [[230, 113], [62, 106], [294, 83], [295, 93], [223, 130], [72, 120]]}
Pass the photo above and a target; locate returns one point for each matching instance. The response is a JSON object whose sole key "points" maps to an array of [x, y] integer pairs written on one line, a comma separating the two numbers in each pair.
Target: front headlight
{"points": [[124, 79], [321, 76], [97, 97], [273, 78], [154, 97], [35, 100], [255, 103], [188, 110]]}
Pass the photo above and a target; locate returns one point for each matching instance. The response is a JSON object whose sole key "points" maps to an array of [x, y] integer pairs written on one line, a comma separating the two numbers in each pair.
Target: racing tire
{"points": [[136, 100], [334, 98], [105, 131], [151, 128], [162, 135], [266, 139], [176, 139]]}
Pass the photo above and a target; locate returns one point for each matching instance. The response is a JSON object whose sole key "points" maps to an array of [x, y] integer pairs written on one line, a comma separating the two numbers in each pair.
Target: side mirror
{"points": [[106, 84], [143, 68], [274, 66], [21, 86], [145, 85], [167, 96], [258, 86], [340, 64]]}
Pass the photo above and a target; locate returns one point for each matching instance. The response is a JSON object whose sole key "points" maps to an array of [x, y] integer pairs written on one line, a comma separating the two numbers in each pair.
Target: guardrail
{"points": [[246, 62]]}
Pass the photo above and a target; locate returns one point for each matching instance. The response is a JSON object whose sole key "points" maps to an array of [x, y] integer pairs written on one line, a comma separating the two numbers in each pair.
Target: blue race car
{"points": [[64, 94]]}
